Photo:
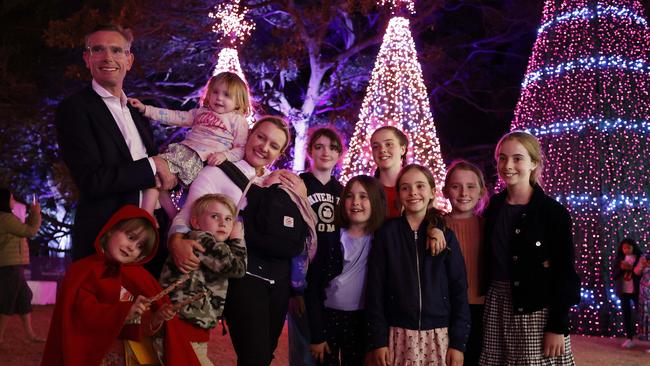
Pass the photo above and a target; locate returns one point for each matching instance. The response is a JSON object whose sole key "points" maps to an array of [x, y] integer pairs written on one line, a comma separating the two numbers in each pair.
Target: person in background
{"points": [[15, 294], [389, 146], [642, 269], [628, 256]]}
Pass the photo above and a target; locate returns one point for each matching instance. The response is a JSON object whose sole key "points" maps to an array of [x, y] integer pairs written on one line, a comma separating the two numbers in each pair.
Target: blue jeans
{"points": [[299, 354]]}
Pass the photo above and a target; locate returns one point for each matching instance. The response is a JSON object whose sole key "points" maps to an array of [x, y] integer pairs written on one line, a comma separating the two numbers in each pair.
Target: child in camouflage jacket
{"points": [[216, 229]]}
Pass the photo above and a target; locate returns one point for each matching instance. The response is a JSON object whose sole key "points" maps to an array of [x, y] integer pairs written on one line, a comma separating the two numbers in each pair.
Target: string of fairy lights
{"points": [[231, 23], [599, 124], [590, 13], [396, 96], [396, 5], [586, 63], [228, 60], [586, 96]]}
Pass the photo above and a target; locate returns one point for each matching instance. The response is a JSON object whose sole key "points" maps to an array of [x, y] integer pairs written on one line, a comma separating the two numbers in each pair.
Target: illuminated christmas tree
{"points": [[396, 96], [586, 96], [232, 27]]}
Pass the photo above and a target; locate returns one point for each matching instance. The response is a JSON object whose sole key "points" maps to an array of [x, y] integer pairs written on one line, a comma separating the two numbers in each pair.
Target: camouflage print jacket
{"points": [[220, 261]]}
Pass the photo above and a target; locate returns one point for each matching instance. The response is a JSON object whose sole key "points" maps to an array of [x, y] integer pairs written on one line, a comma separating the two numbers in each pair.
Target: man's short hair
{"points": [[124, 32]]}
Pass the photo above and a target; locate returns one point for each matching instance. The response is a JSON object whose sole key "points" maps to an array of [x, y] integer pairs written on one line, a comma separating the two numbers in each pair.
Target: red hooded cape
{"points": [[89, 316]]}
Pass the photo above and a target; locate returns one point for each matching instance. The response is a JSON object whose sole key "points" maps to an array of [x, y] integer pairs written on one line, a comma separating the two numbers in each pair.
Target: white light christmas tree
{"points": [[232, 27], [231, 23], [586, 96], [397, 5], [228, 61], [396, 96]]}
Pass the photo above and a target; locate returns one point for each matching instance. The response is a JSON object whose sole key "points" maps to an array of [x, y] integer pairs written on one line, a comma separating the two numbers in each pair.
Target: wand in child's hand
{"points": [[189, 300], [170, 288]]}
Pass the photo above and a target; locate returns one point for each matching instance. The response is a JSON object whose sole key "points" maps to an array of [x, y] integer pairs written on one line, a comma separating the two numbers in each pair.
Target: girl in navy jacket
{"points": [[416, 303]]}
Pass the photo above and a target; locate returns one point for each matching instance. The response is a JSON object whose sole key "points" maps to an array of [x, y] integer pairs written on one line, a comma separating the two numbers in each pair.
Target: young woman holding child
{"points": [[466, 191], [529, 264], [256, 305], [337, 276], [416, 302]]}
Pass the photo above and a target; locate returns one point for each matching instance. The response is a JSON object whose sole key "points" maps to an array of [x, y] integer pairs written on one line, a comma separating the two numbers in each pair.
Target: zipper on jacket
{"points": [[270, 281], [417, 267]]}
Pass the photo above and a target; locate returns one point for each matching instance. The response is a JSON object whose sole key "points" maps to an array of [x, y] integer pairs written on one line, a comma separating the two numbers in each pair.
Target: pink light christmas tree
{"points": [[396, 96], [586, 96]]}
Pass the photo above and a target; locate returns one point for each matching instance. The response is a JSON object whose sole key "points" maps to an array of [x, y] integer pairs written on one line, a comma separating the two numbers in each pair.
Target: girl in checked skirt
{"points": [[529, 264]]}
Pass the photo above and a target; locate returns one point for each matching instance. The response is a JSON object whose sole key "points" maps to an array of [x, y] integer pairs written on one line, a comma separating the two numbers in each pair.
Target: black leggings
{"points": [[475, 341], [345, 333], [628, 314], [255, 313]]}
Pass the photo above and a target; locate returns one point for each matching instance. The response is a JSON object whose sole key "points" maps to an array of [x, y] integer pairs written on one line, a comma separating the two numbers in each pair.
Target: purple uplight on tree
{"points": [[396, 96], [586, 96]]}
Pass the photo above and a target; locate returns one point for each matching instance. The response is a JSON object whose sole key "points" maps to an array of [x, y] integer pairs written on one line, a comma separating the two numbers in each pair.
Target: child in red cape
{"points": [[102, 299]]}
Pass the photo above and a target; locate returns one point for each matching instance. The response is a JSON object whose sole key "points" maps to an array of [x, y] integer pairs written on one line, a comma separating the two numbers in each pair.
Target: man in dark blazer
{"points": [[107, 145]]}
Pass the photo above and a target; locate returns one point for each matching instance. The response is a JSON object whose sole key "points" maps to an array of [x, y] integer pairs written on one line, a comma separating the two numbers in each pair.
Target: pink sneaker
{"points": [[628, 343]]}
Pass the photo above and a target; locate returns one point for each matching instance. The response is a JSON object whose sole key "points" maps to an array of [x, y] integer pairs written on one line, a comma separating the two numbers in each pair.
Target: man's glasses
{"points": [[115, 51]]}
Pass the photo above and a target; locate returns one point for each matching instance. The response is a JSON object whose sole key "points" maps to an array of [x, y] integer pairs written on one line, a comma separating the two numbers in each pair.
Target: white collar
{"points": [[106, 94], [249, 170]]}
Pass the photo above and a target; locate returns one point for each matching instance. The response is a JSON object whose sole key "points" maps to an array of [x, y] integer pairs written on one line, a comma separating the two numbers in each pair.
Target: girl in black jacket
{"points": [[529, 264], [416, 302]]}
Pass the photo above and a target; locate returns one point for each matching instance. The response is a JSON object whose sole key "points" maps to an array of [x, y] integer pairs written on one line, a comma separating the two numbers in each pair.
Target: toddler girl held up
{"points": [[219, 132]]}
